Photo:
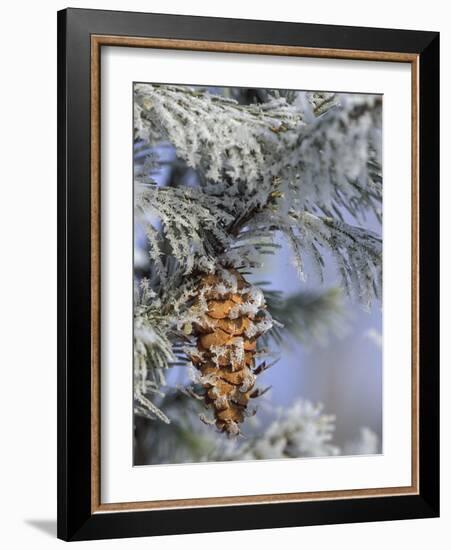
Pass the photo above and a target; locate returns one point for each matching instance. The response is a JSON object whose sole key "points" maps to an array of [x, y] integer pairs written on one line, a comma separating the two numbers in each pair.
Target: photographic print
{"points": [[257, 274]]}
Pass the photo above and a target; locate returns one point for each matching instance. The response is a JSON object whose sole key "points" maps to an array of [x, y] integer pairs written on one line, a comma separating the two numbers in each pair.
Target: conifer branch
{"points": [[303, 165]]}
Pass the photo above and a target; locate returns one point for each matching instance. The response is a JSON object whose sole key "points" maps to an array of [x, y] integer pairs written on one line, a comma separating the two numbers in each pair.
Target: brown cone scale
{"points": [[226, 338]]}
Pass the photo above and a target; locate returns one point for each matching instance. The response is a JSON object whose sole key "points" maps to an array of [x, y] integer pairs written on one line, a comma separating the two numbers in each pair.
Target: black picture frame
{"points": [[76, 520]]}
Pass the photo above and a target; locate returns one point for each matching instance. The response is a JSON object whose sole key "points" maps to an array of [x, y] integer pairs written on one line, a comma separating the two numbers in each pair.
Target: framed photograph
{"points": [[248, 274]]}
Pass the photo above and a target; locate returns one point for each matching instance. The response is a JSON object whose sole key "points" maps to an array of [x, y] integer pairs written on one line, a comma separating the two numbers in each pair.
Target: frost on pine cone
{"points": [[230, 316]]}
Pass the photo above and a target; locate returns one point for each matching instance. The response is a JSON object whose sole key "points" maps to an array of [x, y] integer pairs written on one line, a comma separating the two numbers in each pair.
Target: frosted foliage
{"points": [[156, 335], [325, 148], [357, 252], [335, 161], [366, 444], [150, 348], [192, 222], [301, 430], [214, 134], [294, 164]]}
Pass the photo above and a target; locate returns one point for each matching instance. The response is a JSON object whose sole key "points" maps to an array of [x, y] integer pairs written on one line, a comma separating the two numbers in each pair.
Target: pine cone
{"points": [[232, 318]]}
